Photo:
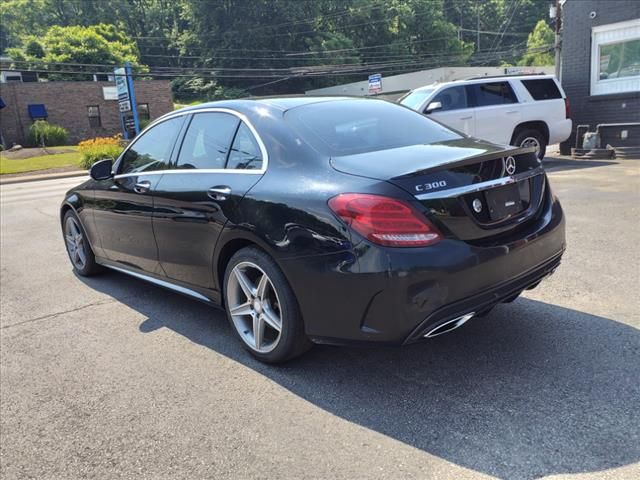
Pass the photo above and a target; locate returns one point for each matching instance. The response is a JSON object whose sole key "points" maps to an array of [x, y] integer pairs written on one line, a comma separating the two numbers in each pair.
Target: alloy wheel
{"points": [[531, 142], [254, 307], [75, 243]]}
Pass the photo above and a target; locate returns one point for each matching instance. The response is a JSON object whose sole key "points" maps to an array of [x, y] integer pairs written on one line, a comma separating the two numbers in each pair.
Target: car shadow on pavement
{"points": [[533, 389], [564, 164]]}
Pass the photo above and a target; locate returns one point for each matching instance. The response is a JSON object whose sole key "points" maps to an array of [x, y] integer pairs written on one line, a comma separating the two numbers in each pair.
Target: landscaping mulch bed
{"points": [[36, 152]]}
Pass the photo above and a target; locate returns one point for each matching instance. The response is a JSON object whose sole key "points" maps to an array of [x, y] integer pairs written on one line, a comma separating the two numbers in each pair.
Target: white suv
{"points": [[523, 110]]}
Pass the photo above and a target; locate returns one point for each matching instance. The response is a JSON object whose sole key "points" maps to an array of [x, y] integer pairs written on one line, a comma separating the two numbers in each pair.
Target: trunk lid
{"points": [[472, 190]]}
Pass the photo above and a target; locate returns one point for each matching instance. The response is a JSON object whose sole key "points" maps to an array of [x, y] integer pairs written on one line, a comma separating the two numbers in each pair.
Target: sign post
{"points": [[127, 101], [375, 83]]}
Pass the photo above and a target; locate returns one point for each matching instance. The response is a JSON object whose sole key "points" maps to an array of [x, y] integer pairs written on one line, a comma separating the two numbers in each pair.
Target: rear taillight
{"points": [[567, 110], [385, 221]]}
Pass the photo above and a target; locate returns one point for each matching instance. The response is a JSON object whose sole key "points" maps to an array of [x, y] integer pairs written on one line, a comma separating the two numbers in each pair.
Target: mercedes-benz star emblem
{"points": [[510, 165]]}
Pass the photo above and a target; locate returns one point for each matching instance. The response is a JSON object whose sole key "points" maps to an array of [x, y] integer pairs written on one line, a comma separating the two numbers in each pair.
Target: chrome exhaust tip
{"points": [[450, 325]]}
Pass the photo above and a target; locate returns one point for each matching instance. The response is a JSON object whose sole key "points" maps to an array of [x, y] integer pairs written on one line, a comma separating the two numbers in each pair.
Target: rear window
{"points": [[348, 127], [542, 89]]}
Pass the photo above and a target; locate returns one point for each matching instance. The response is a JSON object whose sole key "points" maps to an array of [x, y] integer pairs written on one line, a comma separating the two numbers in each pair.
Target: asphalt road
{"points": [[114, 378]]}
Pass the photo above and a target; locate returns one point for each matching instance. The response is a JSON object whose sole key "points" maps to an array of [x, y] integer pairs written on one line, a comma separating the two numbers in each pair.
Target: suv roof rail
{"points": [[480, 77]]}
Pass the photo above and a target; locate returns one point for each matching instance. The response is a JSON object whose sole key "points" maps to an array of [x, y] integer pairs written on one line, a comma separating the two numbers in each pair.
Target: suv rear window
{"points": [[542, 88], [346, 127]]}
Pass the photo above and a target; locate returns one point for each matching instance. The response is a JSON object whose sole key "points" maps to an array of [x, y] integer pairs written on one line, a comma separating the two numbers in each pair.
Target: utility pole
{"points": [[558, 42], [478, 25]]}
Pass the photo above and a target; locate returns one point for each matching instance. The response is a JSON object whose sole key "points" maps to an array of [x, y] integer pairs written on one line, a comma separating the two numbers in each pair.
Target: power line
{"points": [[351, 70]]}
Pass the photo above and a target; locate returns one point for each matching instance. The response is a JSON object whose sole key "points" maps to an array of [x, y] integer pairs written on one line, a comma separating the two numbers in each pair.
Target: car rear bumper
{"points": [[560, 131], [395, 295]]}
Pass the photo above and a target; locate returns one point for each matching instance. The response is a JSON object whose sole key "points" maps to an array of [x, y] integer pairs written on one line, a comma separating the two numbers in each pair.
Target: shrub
{"points": [[45, 134], [99, 148]]}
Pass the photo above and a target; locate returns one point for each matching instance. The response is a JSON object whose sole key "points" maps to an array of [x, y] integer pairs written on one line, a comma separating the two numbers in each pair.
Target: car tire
{"points": [[266, 305], [78, 247], [531, 138]]}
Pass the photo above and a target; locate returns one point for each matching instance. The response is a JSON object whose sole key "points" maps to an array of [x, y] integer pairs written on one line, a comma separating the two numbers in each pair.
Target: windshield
{"points": [[416, 98], [347, 127]]}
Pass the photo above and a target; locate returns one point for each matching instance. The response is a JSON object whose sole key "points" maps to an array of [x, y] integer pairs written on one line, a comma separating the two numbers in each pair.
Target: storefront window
{"points": [[615, 58], [619, 60]]}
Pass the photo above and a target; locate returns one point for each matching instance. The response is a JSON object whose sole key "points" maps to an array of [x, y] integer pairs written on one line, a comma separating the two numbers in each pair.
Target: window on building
{"points": [[615, 58], [93, 111], [143, 111]]}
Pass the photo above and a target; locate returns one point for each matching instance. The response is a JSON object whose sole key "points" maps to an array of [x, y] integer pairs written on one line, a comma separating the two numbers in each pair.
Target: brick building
{"points": [[601, 68], [85, 109]]}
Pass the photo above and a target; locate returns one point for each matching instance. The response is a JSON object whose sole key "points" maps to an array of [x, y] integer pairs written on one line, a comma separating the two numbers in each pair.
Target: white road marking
{"points": [[24, 192]]}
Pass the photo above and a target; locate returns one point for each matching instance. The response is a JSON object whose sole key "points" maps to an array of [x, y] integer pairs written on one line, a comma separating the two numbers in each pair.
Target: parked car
{"points": [[326, 220], [524, 110]]}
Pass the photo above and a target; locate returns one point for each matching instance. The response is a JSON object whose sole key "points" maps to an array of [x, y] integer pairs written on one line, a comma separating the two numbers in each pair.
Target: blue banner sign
{"points": [[375, 83]]}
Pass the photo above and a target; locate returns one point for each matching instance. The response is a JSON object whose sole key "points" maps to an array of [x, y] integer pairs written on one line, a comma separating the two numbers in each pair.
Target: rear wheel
{"points": [[78, 248], [262, 308], [531, 138]]}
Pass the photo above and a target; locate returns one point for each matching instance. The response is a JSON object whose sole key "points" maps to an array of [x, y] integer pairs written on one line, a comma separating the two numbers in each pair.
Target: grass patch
{"points": [[41, 162]]}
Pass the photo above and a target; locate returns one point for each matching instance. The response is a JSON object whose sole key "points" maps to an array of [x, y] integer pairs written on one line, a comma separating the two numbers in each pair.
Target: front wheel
{"points": [[531, 138], [78, 248], [262, 308]]}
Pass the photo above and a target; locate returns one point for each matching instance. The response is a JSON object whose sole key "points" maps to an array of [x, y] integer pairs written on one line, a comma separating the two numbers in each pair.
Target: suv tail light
{"points": [[385, 221], [567, 110]]}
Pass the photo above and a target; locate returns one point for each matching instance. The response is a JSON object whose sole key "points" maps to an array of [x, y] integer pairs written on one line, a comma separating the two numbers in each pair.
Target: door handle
{"points": [[466, 118], [219, 192], [142, 187], [512, 111]]}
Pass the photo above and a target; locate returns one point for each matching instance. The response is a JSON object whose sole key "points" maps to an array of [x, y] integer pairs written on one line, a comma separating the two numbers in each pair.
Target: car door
{"points": [[497, 111], [455, 110], [124, 203], [219, 160]]}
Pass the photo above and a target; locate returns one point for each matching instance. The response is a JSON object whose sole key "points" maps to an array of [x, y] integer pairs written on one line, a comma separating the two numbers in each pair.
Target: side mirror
{"points": [[102, 169], [433, 106]]}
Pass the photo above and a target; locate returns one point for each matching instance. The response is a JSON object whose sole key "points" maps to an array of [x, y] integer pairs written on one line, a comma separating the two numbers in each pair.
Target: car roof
{"points": [[483, 80], [281, 103]]}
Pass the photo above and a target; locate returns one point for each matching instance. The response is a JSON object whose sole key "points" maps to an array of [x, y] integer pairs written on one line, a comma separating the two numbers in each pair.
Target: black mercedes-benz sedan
{"points": [[320, 220]]}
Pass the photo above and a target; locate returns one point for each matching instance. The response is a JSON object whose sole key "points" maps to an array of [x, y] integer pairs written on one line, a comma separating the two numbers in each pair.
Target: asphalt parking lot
{"points": [[111, 377]]}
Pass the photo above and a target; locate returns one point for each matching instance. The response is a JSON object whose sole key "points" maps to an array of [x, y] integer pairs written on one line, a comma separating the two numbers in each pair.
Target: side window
{"points": [[207, 141], [495, 93], [542, 89], [245, 152], [453, 98], [152, 150]]}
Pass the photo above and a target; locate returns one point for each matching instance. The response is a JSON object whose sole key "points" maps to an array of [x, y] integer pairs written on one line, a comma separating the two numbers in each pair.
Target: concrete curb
{"points": [[43, 176]]}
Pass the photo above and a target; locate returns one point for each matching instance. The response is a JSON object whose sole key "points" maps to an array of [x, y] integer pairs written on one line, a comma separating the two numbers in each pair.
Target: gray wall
{"points": [[576, 69], [408, 81]]}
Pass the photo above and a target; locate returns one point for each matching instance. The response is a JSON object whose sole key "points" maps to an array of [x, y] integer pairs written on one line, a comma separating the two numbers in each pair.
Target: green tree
{"points": [[539, 46], [68, 49]]}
